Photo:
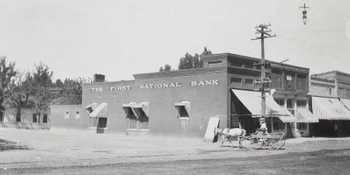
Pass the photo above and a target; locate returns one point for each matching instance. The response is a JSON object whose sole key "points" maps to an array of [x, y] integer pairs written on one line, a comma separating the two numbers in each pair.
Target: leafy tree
{"points": [[206, 51], [21, 93], [7, 74], [165, 68], [72, 91], [59, 83], [190, 62], [42, 82]]}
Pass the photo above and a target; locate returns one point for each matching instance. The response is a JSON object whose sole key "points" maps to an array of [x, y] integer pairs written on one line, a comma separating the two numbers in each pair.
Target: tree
{"points": [[195, 61], [186, 62], [20, 94], [165, 68], [42, 82], [72, 91], [7, 73]]}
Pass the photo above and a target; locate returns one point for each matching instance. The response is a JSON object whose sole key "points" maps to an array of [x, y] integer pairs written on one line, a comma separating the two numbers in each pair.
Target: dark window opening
{"points": [[35, 118], [302, 126], [45, 118], [290, 106], [248, 81], [277, 124], [301, 103], [102, 122], [1, 116], [142, 117], [280, 101], [129, 113], [182, 112], [89, 109], [236, 80], [214, 62]]}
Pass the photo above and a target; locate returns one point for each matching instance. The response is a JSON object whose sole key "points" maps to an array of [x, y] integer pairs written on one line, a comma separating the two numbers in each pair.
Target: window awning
{"points": [[252, 101], [144, 106], [329, 109], [99, 111], [91, 107], [346, 102], [128, 109], [303, 115], [187, 105]]}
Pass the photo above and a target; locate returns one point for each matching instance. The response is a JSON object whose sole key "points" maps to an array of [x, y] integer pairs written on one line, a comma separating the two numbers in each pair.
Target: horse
{"points": [[228, 135]]}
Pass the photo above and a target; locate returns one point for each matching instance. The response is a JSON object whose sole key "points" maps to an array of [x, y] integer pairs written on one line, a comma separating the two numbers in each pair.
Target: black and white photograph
{"points": [[176, 87]]}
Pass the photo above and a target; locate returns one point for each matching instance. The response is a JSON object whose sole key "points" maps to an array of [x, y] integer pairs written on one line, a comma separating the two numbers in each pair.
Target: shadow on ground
{"points": [[6, 145]]}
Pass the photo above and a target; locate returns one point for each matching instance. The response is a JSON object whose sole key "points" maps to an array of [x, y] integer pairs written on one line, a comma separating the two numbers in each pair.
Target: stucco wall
{"points": [[207, 93], [68, 116]]}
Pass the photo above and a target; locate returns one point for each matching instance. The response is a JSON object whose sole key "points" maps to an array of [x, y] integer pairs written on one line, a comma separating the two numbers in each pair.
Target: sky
{"points": [[118, 38]]}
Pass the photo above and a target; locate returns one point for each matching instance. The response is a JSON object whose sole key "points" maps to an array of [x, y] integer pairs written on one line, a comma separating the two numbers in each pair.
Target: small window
{"points": [[301, 103], [129, 113], [280, 101], [77, 115], [35, 118], [45, 118], [215, 62], [248, 81], [330, 91], [236, 80], [302, 126], [183, 109], [66, 115], [182, 112]]}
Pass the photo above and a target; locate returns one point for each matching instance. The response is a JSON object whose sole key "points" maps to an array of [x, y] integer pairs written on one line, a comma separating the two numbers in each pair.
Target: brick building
{"points": [[330, 98], [181, 102]]}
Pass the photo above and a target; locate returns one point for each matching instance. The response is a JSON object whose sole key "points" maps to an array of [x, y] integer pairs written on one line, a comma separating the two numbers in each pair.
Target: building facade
{"points": [[329, 95], [181, 102]]}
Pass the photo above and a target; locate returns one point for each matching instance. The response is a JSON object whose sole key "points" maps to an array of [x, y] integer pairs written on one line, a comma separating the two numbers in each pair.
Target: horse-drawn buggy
{"points": [[257, 140]]}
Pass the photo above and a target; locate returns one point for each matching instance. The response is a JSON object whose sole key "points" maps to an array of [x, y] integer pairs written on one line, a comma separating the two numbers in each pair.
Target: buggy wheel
{"points": [[279, 144]]}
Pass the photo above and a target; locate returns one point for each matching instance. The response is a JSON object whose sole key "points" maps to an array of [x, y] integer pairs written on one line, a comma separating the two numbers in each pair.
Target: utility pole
{"points": [[263, 32]]}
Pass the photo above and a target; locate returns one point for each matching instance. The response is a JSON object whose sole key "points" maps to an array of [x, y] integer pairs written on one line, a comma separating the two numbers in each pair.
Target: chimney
{"points": [[99, 77]]}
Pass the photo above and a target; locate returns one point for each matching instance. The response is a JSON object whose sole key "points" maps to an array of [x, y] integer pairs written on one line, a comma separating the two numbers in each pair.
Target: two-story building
{"points": [[182, 101], [330, 98]]}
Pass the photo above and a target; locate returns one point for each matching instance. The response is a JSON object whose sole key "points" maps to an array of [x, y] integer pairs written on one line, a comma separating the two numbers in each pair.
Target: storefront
{"points": [[334, 117], [181, 102]]}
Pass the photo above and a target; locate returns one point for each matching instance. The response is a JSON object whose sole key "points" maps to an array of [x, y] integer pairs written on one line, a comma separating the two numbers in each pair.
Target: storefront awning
{"points": [[99, 111], [329, 109], [346, 102], [252, 101], [303, 115]]}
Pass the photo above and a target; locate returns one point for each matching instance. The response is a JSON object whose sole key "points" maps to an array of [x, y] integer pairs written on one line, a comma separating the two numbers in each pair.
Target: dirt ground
{"points": [[57, 148]]}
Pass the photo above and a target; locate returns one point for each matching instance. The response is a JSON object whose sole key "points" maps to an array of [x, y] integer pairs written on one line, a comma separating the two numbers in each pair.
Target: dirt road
{"points": [[325, 162], [81, 152]]}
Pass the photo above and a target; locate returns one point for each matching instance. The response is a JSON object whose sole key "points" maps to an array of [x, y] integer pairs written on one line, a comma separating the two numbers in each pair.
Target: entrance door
{"points": [[102, 122]]}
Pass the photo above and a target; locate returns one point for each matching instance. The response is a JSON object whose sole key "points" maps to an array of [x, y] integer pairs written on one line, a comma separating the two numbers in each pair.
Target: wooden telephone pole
{"points": [[263, 32]]}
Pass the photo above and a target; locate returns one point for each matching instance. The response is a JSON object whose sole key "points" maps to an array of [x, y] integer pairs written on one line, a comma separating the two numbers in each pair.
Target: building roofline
{"points": [[109, 82], [254, 59], [332, 71], [179, 72]]}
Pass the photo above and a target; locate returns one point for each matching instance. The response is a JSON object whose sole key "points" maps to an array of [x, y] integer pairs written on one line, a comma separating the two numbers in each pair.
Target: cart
{"points": [[271, 141]]}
